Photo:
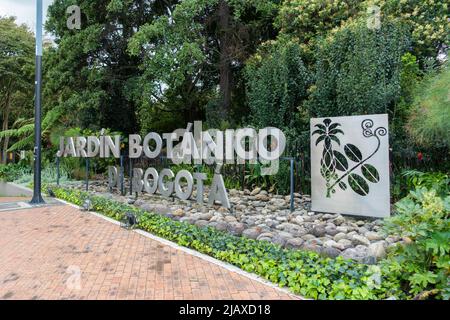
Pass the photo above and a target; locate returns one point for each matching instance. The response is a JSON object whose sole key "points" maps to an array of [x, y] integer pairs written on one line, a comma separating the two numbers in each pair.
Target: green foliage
{"points": [[48, 175], [76, 167], [423, 218], [409, 76], [437, 181], [204, 44], [277, 82], [358, 70], [282, 178], [90, 73], [305, 273], [11, 172], [429, 116], [309, 19], [16, 75], [23, 130], [16, 54], [427, 21]]}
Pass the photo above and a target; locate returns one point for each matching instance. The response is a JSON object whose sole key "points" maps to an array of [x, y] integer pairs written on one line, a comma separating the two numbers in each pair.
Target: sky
{"points": [[24, 10]]}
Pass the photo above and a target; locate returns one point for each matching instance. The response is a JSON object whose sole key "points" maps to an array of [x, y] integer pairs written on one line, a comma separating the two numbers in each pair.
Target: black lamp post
{"points": [[37, 197]]}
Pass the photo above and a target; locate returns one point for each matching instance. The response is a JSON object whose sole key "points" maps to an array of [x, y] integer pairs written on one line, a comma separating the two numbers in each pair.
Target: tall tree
{"points": [[225, 57], [16, 74], [90, 72], [204, 44], [428, 22]]}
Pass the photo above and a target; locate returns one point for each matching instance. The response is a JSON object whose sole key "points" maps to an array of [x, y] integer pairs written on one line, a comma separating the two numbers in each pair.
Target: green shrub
{"points": [[276, 83], [11, 172], [305, 273], [48, 175], [438, 181], [412, 179], [358, 70], [423, 264], [429, 116], [283, 178]]}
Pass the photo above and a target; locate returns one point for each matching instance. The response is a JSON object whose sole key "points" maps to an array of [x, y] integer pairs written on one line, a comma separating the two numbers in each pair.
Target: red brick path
{"points": [[13, 199], [61, 253]]}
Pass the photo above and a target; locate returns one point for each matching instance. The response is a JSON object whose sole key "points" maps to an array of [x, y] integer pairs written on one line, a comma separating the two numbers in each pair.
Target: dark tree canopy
{"points": [[91, 71]]}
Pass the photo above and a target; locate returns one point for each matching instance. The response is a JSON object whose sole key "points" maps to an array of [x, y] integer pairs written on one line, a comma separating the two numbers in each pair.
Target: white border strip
{"points": [[197, 254]]}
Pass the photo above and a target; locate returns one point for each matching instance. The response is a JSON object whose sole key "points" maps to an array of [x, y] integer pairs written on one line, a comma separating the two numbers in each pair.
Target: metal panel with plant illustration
{"points": [[350, 165]]}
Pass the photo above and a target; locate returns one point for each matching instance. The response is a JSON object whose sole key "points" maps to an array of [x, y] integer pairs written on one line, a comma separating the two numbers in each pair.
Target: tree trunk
{"points": [[225, 59], [5, 127]]}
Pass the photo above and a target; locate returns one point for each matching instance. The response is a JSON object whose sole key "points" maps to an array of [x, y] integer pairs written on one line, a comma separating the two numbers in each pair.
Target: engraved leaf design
{"points": [[333, 126], [341, 161], [321, 138], [370, 173], [335, 131], [353, 152], [358, 184], [343, 185]]}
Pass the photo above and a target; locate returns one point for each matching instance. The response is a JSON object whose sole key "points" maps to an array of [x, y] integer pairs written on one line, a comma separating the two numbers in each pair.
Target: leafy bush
{"points": [[11, 172], [438, 181], [427, 20], [429, 117], [277, 80], [305, 273], [358, 70], [310, 19], [412, 179], [283, 178], [423, 264], [48, 175]]}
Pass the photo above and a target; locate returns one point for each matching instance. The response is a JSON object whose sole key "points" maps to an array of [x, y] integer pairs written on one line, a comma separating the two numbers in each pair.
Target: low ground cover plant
{"points": [[423, 219], [305, 273], [417, 269]]}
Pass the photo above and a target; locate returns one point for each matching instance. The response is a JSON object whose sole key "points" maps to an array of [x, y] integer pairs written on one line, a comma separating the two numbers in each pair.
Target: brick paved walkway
{"points": [[61, 253]]}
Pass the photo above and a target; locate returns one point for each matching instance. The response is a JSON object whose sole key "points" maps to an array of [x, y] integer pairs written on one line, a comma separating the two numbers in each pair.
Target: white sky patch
{"points": [[23, 10]]}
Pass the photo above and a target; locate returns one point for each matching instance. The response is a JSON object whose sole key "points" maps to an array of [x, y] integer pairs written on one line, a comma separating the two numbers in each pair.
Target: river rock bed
{"points": [[260, 215]]}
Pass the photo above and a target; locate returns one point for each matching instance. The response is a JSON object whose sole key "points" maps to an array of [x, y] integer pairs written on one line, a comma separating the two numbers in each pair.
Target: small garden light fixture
{"points": [[51, 193], [86, 206], [129, 220]]}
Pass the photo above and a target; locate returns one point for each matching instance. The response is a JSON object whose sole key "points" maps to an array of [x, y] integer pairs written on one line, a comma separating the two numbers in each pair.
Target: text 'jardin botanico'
{"points": [[209, 147]]}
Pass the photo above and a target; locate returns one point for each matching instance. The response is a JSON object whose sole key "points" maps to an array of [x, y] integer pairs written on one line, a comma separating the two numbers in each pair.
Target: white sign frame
{"points": [[350, 165]]}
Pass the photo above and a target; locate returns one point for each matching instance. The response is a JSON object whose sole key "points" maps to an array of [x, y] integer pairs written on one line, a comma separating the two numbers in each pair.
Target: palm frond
{"points": [[8, 133], [21, 122], [22, 144], [51, 117], [26, 129]]}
